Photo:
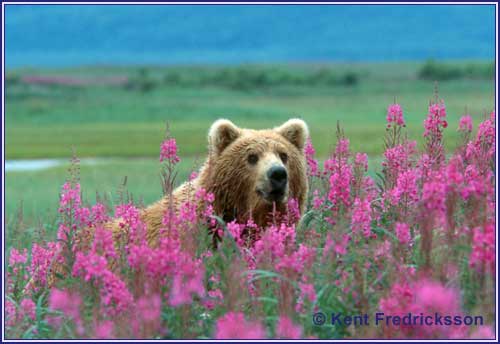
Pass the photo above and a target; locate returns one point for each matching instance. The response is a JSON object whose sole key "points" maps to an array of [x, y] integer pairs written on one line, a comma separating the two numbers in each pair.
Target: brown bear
{"points": [[251, 173]]}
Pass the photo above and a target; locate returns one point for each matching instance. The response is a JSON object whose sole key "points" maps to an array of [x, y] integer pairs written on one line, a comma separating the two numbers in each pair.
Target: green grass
{"points": [[46, 122], [119, 126]]}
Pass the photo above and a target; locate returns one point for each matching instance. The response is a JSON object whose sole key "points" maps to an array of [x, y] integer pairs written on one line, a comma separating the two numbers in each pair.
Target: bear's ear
{"points": [[294, 130], [221, 134]]}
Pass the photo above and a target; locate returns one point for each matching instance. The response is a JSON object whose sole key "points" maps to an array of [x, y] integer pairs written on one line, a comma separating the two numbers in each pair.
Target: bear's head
{"points": [[254, 173]]}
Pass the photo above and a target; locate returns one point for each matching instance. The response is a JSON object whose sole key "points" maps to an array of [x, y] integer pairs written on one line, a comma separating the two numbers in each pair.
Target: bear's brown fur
{"points": [[236, 183]]}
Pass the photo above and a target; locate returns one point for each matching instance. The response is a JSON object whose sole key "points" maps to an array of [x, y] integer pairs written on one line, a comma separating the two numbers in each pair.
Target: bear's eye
{"points": [[252, 159], [284, 157]]}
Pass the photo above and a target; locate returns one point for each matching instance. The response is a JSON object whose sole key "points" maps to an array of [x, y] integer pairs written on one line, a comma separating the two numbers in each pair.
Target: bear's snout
{"points": [[278, 178]]}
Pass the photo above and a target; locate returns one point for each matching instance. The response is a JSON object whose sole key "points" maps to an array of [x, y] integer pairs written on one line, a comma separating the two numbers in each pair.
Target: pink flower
{"points": [[431, 295], [144, 258], [318, 200], [465, 123], [397, 160], [341, 246], [340, 184], [312, 164], [89, 265], [342, 149], [482, 149], [296, 261], [328, 249], [188, 281], [483, 247], [286, 329], [99, 213], [115, 297], [403, 233], [68, 303], [103, 243], [28, 308], [235, 229], [188, 215], [168, 151], [10, 313], [395, 115], [383, 250], [293, 211], [82, 217], [483, 332], [234, 326], [307, 292], [41, 261], [130, 218], [63, 233], [17, 257], [104, 330], [406, 188], [435, 119], [15, 315], [422, 296], [454, 174], [202, 195], [70, 197], [193, 175], [486, 131], [148, 308], [361, 217], [215, 297], [434, 197], [361, 160], [474, 183]]}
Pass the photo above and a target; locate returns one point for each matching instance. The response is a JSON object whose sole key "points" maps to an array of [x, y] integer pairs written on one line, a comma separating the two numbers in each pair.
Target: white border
{"points": [[249, 3], [242, 3]]}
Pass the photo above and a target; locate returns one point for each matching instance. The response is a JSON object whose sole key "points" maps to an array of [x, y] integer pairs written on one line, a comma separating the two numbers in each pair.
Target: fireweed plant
{"points": [[419, 238]]}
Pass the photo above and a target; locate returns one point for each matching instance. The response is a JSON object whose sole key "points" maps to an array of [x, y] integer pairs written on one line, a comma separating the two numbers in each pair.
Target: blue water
{"points": [[66, 35], [27, 165]]}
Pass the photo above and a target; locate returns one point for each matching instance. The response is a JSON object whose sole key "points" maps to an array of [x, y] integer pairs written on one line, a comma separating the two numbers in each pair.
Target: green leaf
{"points": [[380, 230], [306, 219], [320, 294], [262, 274], [28, 334], [266, 299], [40, 310]]}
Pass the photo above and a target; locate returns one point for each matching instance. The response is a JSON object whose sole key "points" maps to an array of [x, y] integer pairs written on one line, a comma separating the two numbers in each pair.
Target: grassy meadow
{"points": [[126, 123]]}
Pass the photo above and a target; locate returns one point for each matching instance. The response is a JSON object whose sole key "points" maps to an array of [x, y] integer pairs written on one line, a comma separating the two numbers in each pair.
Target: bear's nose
{"points": [[277, 176]]}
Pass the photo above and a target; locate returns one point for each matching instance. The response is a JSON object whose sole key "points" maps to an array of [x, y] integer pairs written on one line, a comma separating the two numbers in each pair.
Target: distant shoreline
{"points": [[44, 60]]}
